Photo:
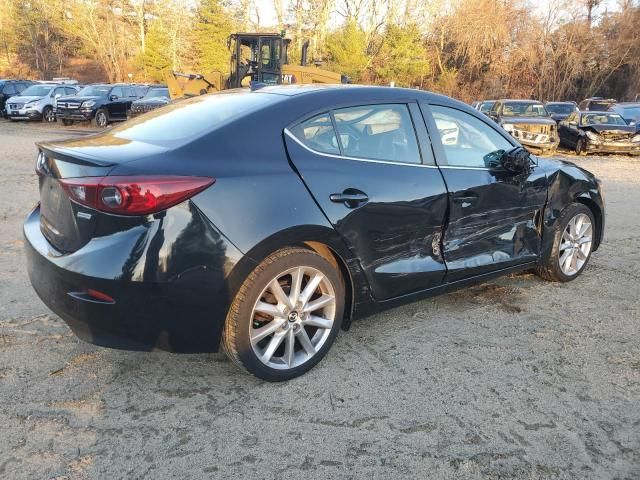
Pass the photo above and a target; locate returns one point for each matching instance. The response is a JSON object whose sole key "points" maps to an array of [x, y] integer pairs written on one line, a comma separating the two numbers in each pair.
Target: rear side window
{"points": [[378, 132], [466, 140], [317, 133]]}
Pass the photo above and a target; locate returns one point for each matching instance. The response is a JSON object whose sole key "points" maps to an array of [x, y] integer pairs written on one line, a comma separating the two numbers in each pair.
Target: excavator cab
{"points": [[257, 58]]}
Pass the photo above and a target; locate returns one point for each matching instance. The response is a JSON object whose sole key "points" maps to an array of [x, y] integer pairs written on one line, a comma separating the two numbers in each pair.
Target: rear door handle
{"points": [[350, 197]]}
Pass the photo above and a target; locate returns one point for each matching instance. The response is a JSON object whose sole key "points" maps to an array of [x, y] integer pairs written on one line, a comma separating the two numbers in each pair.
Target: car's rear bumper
{"points": [[183, 311]]}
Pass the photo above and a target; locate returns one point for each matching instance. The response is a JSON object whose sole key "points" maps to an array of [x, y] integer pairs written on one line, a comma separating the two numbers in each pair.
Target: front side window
{"points": [[94, 91], [466, 140], [377, 132], [117, 91]]}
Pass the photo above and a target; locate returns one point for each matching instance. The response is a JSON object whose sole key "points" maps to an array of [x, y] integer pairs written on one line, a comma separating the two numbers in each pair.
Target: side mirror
{"points": [[632, 123], [113, 97], [57, 95], [516, 160]]}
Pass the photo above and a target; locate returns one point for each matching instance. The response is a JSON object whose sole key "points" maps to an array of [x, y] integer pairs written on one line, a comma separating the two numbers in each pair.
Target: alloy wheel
{"points": [[49, 116], [101, 119], [575, 245], [292, 317]]}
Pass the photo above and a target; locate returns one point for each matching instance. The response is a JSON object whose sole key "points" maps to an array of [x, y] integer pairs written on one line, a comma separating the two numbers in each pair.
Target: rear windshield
{"points": [[562, 108], [188, 118], [486, 106]]}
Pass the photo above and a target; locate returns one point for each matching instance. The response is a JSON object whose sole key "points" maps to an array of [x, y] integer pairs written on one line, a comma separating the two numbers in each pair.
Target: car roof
{"points": [[626, 104], [519, 100], [560, 103]]}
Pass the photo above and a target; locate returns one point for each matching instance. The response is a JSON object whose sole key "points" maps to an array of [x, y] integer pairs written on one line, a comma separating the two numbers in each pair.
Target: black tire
{"points": [[549, 267], [581, 148], [101, 118], [66, 122], [237, 329], [47, 115]]}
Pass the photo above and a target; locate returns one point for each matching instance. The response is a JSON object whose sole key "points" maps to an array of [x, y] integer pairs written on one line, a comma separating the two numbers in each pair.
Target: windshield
{"points": [[36, 91], [602, 118], [486, 106], [157, 93], [524, 109], [632, 113], [190, 118], [601, 105], [94, 91], [562, 108]]}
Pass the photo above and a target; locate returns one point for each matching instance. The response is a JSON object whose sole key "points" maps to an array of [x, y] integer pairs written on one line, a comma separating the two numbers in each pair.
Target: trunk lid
{"points": [[67, 225]]}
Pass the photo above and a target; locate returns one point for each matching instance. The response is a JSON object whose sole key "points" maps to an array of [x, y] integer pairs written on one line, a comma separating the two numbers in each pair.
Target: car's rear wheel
{"points": [[572, 245], [581, 147], [286, 315], [48, 115]]}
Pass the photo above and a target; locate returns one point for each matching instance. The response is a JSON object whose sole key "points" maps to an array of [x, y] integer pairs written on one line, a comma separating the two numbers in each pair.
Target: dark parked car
{"points": [[10, 88], [529, 122], [100, 103], [630, 111], [155, 97], [177, 231], [597, 104], [598, 132], [560, 110]]}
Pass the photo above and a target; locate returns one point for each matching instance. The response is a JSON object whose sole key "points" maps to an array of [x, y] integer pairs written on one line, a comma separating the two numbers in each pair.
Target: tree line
{"points": [[469, 49]]}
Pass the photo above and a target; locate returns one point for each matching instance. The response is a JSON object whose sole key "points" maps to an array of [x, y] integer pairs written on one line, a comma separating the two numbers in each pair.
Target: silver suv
{"points": [[38, 102]]}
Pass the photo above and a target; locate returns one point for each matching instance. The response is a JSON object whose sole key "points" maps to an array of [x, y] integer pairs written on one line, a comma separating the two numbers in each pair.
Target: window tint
{"points": [[117, 91], [9, 89], [317, 133], [468, 141], [378, 132], [70, 91]]}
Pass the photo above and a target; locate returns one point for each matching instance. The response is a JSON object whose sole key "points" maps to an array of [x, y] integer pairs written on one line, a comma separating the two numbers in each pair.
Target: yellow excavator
{"points": [[257, 59]]}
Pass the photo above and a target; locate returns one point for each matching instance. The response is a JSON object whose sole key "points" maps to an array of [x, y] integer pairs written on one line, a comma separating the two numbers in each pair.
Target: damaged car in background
{"points": [[528, 122], [602, 132]]}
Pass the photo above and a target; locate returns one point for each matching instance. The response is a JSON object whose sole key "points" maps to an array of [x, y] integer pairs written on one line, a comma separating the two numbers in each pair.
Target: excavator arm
{"points": [[182, 85]]}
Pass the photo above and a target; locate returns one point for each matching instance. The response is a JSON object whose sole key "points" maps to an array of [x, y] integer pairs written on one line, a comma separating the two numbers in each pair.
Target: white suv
{"points": [[38, 102]]}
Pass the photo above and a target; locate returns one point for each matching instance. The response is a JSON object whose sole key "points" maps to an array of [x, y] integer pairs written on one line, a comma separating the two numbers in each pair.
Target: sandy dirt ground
{"points": [[513, 379]]}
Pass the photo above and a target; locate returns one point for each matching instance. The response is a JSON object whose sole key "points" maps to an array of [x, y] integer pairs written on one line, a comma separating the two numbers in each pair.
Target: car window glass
{"points": [[70, 91], [9, 89], [378, 132], [466, 140], [118, 92], [317, 133], [59, 91]]}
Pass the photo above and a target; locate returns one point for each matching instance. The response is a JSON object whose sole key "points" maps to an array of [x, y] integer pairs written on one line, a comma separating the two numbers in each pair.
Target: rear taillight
{"points": [[133, 195]]}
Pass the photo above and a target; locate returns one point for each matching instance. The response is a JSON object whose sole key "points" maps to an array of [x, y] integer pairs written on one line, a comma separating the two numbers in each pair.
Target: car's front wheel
{"points": [[48, 115], [581, 146], [101, 119], [286, 315], [572, 245]]}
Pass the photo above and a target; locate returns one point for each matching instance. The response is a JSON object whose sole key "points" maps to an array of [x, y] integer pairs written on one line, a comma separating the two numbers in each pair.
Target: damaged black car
{"points": [[602, 132], [529, 122]]}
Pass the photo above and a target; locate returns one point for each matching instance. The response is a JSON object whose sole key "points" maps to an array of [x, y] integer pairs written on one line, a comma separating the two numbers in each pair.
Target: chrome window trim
{"points": [[343, 157], [384, 162]]}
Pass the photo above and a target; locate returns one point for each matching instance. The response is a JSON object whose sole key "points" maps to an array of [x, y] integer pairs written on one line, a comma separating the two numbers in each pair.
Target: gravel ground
{"points": [[513, 379]]}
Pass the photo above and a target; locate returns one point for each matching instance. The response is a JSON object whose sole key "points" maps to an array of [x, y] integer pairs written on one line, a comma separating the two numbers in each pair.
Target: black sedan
{"points": [[267, 220], [560, 110], [604, 132]]}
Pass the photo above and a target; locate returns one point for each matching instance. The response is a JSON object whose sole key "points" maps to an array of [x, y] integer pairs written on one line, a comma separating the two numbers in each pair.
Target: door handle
{"points": [[466, 198], [350, 197]]}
